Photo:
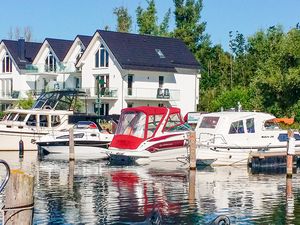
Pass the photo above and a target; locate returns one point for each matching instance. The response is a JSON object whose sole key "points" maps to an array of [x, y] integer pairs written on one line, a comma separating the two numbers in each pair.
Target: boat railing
{"points": [[7, 176], [212, 138]]}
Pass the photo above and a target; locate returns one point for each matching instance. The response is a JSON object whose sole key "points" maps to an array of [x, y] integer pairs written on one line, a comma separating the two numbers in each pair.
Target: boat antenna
{"points": [[239, 107]]}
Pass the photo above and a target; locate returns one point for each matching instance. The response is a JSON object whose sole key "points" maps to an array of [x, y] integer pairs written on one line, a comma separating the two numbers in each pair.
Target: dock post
{"points": [[192, 187], [192, 147], [290, 153], [18, 208], [71, 144], [290, 205]]}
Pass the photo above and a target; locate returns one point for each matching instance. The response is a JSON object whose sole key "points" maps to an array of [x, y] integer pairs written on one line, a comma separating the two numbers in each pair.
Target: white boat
{"points": [[227, 138], [86, 133], [80, 152], [147, 134], [50, 112]]}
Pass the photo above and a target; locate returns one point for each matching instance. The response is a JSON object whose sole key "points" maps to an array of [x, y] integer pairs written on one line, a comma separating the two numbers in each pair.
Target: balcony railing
{"points": [[153, 94], [103, 92], [58, 68]]}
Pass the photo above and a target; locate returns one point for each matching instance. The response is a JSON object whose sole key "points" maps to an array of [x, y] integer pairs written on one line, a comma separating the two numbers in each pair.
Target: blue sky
{"points": [[67, 18]]}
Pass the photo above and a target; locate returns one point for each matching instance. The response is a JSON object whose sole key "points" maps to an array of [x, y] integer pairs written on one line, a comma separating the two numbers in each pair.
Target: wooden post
{"points": [[71, 173], [71, 144], [289, 199], [290, 153], [192, 187], [192, 147], [19, 198]]}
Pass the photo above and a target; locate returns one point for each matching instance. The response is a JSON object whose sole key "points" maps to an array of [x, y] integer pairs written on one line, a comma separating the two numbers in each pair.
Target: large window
{"points": [[50, 63], [101, 57], [6, 64], [209, 122]]}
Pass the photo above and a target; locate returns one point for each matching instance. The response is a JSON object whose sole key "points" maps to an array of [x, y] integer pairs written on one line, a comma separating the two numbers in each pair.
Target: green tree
{"points": [[188, 26], [124, 20], [147, 20]]}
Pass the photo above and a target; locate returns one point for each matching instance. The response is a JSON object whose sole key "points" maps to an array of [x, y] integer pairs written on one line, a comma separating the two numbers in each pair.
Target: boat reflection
{"points": [[94, 192]]}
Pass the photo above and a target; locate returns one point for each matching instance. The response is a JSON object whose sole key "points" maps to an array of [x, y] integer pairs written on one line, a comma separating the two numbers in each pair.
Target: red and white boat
{"points": [[149, 133]]}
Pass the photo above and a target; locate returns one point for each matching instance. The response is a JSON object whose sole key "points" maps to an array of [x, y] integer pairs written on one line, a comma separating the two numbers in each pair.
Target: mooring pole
{"points": [[289, 199], [290, 153], [192, 148], [71, 144], [18, 208]]}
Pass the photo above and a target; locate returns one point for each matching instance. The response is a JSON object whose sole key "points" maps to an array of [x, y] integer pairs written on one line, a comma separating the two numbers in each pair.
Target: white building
{"points": [[120, 69], [136, 70]]}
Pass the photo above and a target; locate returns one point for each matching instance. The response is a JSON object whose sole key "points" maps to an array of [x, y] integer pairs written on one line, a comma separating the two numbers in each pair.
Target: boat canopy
{"points": [[59, 100]]}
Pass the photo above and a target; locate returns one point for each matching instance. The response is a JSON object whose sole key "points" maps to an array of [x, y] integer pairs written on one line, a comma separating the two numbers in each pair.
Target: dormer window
{"points": [[160, 53], [50, 63], [6, 64], [101, 57]]}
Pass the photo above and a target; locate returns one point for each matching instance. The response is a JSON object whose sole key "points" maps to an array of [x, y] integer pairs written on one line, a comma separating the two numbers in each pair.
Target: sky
{"points": [[65, 19]]}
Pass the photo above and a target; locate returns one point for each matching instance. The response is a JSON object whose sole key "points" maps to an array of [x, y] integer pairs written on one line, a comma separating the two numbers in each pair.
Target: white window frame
{"points": [[6, 59]]}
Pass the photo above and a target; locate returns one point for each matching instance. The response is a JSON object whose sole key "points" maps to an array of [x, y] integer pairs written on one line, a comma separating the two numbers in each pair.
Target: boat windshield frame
{"points": [[132, 123]]}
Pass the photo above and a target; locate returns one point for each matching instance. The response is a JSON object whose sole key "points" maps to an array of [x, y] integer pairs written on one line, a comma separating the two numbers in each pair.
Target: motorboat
{"points": [[228, 137], [50, 112], [86, 133], [149, 133]]}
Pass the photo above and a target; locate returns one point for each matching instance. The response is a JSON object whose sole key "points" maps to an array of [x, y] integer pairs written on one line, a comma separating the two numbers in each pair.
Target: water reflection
{"points": [[94, 192]]}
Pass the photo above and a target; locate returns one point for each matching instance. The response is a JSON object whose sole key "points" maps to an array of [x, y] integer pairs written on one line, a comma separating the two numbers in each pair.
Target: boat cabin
{"points": [[141, 123]]}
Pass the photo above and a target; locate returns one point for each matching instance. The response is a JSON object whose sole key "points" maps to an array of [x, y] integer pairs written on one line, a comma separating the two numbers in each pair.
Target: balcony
{"points": [[58, 68], [105, 93], [156, 94]]}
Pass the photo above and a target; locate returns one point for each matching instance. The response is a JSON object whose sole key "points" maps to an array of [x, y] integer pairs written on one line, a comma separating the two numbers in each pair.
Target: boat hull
{"points": [[81, 152], [10, 141], [144, 156], [226, 156]]}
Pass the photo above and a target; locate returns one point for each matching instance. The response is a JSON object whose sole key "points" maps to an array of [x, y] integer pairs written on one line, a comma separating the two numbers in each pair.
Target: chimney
{"points": [[21, 49]]}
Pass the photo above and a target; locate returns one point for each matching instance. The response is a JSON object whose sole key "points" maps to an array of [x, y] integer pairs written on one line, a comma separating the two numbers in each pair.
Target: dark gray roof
{"points": [[60, 47], [85, 39], [30, 51], [139, 52]]}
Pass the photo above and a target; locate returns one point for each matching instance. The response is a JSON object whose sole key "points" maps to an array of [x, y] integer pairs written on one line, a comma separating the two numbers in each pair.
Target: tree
{"points": [[147, 20], [188, 26], [16, 33], [124, 20]]}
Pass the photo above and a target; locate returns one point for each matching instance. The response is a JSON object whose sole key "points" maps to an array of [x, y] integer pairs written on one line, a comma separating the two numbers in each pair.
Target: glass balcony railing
{"points": [[152, 93], [57, 68], [103, 92]]}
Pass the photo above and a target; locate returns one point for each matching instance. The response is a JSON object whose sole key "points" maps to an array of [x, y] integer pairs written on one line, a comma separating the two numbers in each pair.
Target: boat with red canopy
{"points": [[149, 133]]}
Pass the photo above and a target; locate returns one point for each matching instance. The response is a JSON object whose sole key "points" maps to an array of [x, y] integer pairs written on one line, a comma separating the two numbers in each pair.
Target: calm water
{"points": [[94, 192]]}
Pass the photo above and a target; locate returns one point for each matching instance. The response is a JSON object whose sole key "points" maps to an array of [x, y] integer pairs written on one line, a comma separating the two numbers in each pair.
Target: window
{"points": [[102, 85], [43, 121], [104, 109], [6, 64], [55, 120], [173, 120], [130, 81], [21, 117], [129, 105], [101, 57], [153, 122], [79, 54], [209, 122], [160, 81], [160, 53], [237, 127], [250, 125], [31, 120], [50, 63]]}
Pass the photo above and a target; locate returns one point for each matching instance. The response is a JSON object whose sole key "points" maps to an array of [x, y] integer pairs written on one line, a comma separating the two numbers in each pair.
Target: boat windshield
{"points": [[132, 123]]}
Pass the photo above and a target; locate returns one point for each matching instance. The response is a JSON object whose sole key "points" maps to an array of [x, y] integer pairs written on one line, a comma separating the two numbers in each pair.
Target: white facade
{"points": [[182, 86], [118, 88]]}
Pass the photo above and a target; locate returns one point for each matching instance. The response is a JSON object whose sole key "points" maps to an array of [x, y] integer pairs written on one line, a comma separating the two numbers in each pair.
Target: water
{"points": [[94, 192]]}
